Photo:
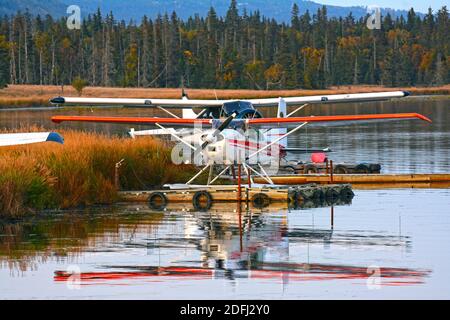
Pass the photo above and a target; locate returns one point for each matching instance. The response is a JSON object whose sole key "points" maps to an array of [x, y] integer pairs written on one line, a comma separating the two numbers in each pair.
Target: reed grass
{"points": [[81, 172]]}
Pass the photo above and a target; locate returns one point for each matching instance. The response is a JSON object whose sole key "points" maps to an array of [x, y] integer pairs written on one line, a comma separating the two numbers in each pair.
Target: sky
{"points": [[418, 5]]}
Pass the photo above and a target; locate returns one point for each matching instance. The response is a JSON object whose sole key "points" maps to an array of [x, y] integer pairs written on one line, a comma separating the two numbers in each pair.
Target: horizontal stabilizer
{"points": [[154, 132], [300, 150]]}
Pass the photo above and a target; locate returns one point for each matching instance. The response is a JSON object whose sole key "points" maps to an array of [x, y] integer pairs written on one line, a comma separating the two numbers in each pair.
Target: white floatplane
{"points": [[230, 132]]}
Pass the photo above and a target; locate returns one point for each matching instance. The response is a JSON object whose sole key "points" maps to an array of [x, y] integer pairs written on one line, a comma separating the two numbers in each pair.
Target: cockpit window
{"points": [[227, 109], [212, 113], [235, 106]]}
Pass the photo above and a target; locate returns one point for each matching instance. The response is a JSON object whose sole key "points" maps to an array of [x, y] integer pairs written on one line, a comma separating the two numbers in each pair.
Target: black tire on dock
{"points": [[318, 195], [290, 168], [346, 194], [340, 169], [332, 195], [300, 198], [362, 168], [157, 201], [260, 200], [310, 168], [202, 200]]}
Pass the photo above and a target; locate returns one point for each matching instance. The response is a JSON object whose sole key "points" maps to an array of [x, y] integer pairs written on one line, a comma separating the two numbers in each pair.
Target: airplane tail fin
{"points": [[184, 95], [282, 108], [273, 134], [187, 113]]}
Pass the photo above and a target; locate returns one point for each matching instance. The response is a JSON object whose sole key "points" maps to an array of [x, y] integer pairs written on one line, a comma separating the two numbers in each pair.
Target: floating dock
{"points": [[366, 181], [203, 197]]}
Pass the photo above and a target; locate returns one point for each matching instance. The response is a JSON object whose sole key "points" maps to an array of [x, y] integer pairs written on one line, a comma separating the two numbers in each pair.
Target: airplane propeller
{"points": [[212, 136]]}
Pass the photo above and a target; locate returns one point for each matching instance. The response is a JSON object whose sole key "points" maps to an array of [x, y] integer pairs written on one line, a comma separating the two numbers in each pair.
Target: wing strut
{"points": [[176, 136], [198, 174], [264, 175], [296, 110], [219, 175], [276, 140], [248, 172], [168, 112]]}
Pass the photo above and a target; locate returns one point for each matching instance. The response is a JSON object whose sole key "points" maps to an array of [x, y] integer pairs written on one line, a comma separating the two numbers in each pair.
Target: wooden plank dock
{"points": [[202, 197], [366, 181], [219, 193]]}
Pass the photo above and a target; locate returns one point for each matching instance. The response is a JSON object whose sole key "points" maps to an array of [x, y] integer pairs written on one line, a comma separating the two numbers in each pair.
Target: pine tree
{"points": [[173, 58], [295, 21], [131, 64], [146, 60], [243, 50], [4, 62]]}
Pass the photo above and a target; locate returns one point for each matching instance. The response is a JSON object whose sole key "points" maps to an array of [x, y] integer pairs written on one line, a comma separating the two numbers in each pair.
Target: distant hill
{"points": [[135, 9], [53, 7]]}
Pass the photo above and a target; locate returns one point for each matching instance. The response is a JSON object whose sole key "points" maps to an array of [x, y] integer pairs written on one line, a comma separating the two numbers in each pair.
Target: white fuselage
{"points": [[234, 147]]}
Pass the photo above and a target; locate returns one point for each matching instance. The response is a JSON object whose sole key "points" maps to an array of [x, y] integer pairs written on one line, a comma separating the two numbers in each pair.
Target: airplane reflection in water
{"points": [[249, 245]]}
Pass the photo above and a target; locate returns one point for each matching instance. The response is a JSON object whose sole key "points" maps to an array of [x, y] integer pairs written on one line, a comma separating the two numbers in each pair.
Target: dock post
{"points": [[211, 171], [327, 168], [116, 174], [331, 171], [332, 217], [240, 228], [239, 197], [233, 171]]}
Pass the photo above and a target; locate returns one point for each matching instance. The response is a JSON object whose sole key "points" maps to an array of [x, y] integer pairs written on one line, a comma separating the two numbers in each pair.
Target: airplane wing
{"points": [[124, 102], [260, 122], [333, 120], [12, 139], [186, 103], [150, 121], [333, 98]]}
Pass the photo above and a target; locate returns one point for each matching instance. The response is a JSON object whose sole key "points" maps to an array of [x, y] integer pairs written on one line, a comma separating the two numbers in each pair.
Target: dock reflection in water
{"points": [[269, 253], [236, 246]]}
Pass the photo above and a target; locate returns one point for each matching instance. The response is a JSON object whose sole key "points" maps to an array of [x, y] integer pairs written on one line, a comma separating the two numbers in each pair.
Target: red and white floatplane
{"points": [[230, 132]]}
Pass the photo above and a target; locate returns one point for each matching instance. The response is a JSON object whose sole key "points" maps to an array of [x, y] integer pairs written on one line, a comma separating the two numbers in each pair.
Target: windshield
{"points": [[236, 106]]}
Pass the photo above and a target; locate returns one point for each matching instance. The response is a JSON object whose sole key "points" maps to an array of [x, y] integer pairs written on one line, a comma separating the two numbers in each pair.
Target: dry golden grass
{"points": [[81, 172], [34, 95]]}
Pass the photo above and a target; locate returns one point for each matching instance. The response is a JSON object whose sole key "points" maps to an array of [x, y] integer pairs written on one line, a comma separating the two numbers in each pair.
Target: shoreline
{"points": [[19, 96], [81, 173]]}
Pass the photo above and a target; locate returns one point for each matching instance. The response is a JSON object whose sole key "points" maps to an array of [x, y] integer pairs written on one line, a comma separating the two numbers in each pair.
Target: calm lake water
{"points": [[385, 244]]}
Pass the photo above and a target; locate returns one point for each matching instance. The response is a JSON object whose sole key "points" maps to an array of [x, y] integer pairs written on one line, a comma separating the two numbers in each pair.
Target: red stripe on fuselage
{"points": [[254, 146]]}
